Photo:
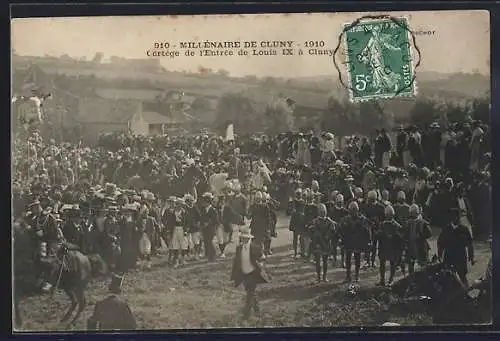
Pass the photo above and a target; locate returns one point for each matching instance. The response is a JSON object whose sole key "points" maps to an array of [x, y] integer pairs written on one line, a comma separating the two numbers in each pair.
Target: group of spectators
{"points": [[129, 195]]}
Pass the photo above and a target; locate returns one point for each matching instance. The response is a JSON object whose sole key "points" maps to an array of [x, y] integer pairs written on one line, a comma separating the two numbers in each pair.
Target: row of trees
{"points": [[343, 117]]}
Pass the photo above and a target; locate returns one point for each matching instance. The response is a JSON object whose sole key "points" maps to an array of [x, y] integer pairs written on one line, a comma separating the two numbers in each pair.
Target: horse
{"points": [[449, 299], [70, 271]]}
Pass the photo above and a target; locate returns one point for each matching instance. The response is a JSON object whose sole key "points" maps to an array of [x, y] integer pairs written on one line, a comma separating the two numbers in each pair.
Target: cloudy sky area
{"points": [[461, 42]]}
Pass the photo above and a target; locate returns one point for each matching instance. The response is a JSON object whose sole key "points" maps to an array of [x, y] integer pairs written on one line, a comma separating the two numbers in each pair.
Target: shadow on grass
{"points": [[296, 292]]}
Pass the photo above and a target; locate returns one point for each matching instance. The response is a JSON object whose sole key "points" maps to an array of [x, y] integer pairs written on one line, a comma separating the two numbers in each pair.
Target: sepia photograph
{"points": [[251, 171]]}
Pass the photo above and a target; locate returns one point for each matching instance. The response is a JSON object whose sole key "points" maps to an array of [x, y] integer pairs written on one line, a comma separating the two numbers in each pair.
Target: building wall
{"points": [[138, 125], [98, 115]]}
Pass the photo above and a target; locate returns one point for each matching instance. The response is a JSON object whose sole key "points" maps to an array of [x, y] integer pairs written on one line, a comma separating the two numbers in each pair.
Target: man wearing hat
{"points": [[176, 219], [225, 228], [128, 237], [112, 313], [296, 224], [73, 229], [111, 249], [193, 227], [44, 228], [209, 221], [455, 246], [239, 204], [247, 269], [154, 233]]}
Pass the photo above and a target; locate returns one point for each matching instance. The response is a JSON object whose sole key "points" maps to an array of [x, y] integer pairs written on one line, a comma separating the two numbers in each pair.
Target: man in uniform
{"points": [[417, 231], [390, 237], [337, 212], [354, 232], [374, 212], [112, 313]]}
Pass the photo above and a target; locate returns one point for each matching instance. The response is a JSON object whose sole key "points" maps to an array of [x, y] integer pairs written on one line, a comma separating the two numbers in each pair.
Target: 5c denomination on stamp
{"points": [[379, 59]]}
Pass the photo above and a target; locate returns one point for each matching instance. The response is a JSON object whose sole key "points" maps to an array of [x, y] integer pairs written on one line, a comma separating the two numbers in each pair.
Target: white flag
{"points": [[230, 132]]}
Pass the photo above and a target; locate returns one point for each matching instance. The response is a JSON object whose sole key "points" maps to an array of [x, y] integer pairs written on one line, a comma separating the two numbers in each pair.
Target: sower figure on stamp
{"points": [[247, 269]]}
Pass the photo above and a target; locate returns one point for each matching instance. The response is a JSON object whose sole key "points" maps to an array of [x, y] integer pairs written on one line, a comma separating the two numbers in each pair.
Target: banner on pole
{"points": [[230, 132]]}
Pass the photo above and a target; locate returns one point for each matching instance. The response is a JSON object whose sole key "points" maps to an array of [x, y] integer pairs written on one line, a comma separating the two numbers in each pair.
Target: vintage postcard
{"points": [[270, 170]]}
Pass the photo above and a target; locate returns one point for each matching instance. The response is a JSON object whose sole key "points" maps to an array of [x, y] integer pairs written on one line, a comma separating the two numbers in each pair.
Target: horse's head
{"points": [[99, 266], [436, 281]]}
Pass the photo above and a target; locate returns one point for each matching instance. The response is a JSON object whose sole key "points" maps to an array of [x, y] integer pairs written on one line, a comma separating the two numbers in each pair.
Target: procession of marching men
{"points": [[369, 204]]}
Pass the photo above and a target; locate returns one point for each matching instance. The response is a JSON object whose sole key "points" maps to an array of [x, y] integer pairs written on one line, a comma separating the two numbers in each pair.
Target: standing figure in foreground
{"points": [[209, 221], [296, 225], [417, 231], [247, 269], [390, 247], [354, 231], [322, 231], [455, 247], [112, 313]]}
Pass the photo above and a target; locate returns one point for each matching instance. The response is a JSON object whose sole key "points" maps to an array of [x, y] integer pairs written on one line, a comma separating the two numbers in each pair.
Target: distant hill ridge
{"points": [[311, 91]]}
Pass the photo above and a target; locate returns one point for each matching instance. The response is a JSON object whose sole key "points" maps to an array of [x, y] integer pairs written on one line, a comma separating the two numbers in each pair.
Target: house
{"points": [[99, 115]]}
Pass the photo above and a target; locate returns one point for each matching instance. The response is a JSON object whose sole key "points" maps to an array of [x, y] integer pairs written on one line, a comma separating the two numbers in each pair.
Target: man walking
{"points": [[247, 269]]}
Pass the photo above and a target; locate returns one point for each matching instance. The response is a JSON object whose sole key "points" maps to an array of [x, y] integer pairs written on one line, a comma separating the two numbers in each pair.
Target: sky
{"points": [[460, 43]]}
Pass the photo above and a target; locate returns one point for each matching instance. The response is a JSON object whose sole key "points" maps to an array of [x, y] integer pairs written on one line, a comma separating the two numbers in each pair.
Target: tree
{"points": [[279, 114], [481, 109], [345, 118], [334, 116], [223, 73], [269, 81], [237, 109], [250, 78], [98, 57], [201, 104], [65, 57], [424, 111]]}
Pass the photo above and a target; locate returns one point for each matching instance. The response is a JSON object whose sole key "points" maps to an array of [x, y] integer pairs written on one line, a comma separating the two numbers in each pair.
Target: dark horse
{"points": [[71, 272], [450, 302]]}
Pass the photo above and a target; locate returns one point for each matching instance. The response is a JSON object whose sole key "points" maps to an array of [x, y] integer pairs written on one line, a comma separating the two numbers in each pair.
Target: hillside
{"points": [[310, 92]]}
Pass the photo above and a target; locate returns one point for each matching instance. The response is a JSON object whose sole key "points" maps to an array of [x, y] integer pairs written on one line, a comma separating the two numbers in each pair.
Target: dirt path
{"points": [[200, 295]]}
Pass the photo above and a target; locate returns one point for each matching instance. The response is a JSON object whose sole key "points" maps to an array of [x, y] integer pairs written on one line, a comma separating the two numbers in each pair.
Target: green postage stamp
{"points": [[379, 59]]}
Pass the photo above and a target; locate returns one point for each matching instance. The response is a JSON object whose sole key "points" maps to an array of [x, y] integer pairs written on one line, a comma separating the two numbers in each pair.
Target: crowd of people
{"points": [[129, 195]]}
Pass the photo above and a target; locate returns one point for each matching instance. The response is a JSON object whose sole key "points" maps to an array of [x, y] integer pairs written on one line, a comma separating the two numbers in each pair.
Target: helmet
{"points": [[389, 211], [401, 195], [353, 206], [414, 209]]}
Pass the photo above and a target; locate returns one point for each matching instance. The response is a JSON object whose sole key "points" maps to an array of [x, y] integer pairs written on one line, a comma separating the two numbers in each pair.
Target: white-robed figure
{"points": [[261, 177], [30, 108], [218, 183], [328, 149], [303, 157]]}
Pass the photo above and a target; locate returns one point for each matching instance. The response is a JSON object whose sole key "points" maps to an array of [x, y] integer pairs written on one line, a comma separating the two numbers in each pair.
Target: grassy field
{"points": [[200, 295]]}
